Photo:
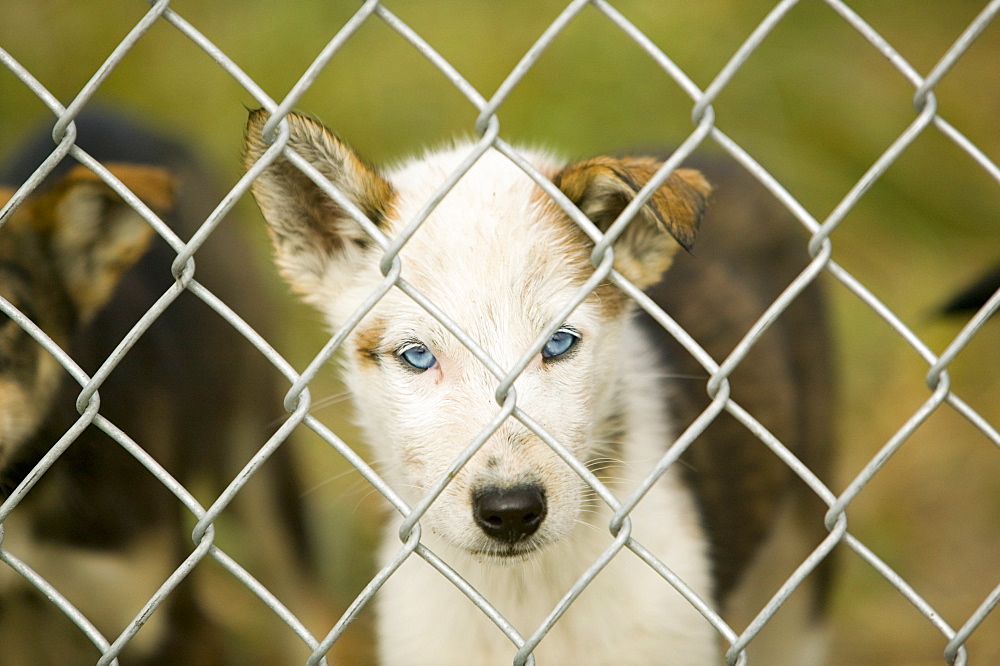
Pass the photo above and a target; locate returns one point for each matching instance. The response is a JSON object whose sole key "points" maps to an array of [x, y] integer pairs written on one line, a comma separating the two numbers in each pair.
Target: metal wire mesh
{"points": [[298, 400]]}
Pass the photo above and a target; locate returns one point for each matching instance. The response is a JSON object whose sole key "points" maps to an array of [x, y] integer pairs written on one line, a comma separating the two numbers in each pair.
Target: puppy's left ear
{"points": [[602, 187], [316, 241]]}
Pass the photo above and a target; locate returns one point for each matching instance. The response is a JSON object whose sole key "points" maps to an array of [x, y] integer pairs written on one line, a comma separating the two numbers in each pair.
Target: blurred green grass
{"points": [[816, 105]]}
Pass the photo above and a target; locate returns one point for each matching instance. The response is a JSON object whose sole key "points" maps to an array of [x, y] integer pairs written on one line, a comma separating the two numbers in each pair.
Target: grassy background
{"points": [[815, 105]]}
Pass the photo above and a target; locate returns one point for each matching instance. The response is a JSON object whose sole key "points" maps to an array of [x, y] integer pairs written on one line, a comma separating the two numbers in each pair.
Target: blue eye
{"points": [[418, 356], [560, 343]]}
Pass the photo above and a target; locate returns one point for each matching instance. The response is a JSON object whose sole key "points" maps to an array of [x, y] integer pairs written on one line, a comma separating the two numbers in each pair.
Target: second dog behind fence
{"points": [[600, 390], [193, 393]]}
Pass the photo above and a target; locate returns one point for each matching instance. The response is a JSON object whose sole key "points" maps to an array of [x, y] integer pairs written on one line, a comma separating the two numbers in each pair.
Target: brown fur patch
{"points": [[332, 157], [579, 247], [603, 186], [95, 236], [154, 186], [306, 226], [369, 340]]}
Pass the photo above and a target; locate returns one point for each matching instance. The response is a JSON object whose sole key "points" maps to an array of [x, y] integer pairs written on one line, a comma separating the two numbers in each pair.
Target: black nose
{"points": [[509, 514]]}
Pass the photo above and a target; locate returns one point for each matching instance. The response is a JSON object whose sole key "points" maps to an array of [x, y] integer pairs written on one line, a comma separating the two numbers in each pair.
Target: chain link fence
{"points": [[928, 117]]}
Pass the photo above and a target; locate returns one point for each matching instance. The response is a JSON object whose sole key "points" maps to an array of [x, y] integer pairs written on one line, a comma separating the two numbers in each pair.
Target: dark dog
{"points": [[749, 250], [192, 392]]}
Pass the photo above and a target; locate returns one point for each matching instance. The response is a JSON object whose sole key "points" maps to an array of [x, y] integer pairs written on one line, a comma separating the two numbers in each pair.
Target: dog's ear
{"points": [[603, 186], [311, 233], [94, 235]]}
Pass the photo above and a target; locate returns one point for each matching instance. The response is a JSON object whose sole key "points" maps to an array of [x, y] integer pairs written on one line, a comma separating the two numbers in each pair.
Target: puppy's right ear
{"points": [[311, 233]]}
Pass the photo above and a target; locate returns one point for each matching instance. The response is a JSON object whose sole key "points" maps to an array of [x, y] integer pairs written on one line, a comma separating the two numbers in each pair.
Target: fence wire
{"points": [[298, 401]]}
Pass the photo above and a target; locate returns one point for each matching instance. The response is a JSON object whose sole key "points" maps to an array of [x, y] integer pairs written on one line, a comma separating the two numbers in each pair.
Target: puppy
{"points": [[516, 521], [84, 267]]}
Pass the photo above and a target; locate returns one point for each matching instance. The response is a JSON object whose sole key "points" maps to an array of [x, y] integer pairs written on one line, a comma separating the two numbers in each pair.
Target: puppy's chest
{"points": [[628, 614]]}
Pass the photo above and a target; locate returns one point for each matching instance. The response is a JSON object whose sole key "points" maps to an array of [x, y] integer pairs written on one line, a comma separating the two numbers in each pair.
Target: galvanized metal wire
{"points": [[487, 128]]}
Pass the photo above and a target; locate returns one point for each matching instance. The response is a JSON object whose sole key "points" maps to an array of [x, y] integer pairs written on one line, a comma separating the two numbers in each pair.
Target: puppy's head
{"points": [[62, 254], [500, 260]]}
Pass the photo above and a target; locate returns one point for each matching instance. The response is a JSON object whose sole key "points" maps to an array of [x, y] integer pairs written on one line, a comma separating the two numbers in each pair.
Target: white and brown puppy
{"points": [[502, 260]]}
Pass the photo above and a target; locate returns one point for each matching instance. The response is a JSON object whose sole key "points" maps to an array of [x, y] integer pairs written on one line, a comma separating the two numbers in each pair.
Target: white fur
{"points": [[490, 258], [628, 615]]}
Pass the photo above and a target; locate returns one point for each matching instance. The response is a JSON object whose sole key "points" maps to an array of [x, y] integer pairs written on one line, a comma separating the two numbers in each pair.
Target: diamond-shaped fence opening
{"points": [[209, 410]]}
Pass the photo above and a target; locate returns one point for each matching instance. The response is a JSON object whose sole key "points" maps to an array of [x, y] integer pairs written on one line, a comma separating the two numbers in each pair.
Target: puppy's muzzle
{"points": [[509, 514]]}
